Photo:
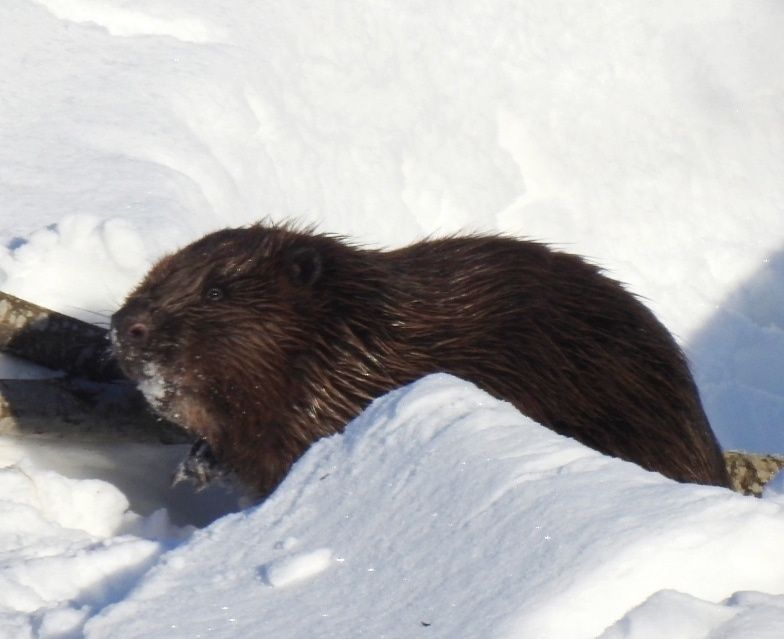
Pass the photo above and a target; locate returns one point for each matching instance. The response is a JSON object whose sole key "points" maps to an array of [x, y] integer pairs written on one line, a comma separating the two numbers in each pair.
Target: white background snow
{"points": [[648, 136]]}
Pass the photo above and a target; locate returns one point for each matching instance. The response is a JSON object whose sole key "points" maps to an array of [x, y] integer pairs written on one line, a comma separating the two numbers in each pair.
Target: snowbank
{"points": [[59, 557], [441, 510]]}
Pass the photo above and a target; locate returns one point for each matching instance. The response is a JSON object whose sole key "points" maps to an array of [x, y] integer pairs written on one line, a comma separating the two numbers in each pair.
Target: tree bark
{"points": [[749, 472]]}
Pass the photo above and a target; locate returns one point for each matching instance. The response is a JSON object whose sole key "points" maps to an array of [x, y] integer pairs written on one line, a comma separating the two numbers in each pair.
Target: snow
{"points": [[153, 387], [670, 613], [286, 570], [646, 136], [57, 544], [474, 516]]}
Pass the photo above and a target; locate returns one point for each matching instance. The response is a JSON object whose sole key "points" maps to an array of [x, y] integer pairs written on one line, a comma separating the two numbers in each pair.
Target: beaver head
{"points": [[216, 334]]}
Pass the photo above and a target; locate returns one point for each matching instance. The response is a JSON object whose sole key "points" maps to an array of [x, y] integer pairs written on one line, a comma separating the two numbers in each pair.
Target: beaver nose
{"points": [[131, 326], [138, 333]]}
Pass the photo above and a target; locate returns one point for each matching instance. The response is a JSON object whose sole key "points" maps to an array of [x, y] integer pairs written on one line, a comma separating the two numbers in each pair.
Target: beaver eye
{"points": [[214, 294]]}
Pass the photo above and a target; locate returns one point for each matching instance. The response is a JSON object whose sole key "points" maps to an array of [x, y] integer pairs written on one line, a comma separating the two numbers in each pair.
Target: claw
{"points": [[201, 466]]}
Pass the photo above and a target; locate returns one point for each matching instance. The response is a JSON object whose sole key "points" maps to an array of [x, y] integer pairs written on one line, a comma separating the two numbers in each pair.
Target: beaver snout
{"points": [[130, 326], [130, 332]]}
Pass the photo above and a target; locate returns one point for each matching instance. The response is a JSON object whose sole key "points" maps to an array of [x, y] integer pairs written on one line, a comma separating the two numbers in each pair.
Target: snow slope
{"points": [[647, 136], [482, 524]]}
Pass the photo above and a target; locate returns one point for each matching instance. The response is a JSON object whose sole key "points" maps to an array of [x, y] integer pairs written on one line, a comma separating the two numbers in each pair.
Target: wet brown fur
{"points": [[309, 329]]}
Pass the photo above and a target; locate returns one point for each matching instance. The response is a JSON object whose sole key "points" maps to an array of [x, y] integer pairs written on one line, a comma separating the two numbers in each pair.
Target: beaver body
{"points": [[263, 339]]}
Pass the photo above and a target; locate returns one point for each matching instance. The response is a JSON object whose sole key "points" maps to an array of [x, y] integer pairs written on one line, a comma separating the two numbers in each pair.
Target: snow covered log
{"points": [[55, 340]]}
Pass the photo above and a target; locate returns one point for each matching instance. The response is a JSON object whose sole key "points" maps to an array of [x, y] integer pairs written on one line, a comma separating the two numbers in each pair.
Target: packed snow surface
{"points": [[646, 136]]}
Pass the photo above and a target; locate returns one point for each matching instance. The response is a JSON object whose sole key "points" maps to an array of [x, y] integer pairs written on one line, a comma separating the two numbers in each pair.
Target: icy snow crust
{"points": [[647, 136]]}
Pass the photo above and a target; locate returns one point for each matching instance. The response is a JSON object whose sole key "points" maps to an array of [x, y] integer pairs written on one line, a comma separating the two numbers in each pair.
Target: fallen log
{"points": [[54, 340], [92, 400]]}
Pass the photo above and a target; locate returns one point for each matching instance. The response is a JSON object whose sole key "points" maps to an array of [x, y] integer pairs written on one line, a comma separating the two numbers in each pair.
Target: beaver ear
{"points": [[303, 265]]}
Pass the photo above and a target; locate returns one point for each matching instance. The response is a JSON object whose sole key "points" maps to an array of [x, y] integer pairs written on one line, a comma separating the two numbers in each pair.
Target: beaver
{"points": [[262, 339]]}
